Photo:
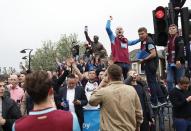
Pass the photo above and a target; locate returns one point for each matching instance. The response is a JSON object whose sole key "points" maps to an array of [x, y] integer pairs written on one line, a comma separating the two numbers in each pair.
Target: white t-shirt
{"points": [[89, 88], [70, 98]]}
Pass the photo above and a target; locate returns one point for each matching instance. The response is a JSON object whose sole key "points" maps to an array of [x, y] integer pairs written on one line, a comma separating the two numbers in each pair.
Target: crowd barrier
{"points": [[91, 120], [163, 119]]}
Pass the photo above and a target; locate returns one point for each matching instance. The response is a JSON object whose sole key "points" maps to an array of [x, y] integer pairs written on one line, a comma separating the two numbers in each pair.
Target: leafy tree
{"points": [[7, 70], [44, 58], [65, 45]]}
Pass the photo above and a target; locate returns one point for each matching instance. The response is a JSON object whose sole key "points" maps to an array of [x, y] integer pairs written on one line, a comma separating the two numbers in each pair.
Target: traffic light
{"points": [[186, 23], [160, 20]]}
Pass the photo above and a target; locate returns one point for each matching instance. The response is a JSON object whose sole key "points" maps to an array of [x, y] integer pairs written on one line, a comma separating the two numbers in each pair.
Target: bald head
{"points": [[119, 30], [14, 79]]}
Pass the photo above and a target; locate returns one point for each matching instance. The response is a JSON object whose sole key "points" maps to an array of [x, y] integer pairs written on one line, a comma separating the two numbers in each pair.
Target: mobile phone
{"points": [[86, 28]]}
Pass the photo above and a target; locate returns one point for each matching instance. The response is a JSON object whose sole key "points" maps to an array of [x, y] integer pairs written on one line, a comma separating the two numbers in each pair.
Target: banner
{"points": [[91, 120]]}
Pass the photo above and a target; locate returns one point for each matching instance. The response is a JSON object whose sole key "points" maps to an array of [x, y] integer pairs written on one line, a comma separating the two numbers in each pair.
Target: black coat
{"points": [[144, 98], [10, 112], [79, 95], [56, 83], [179, 49], [181, 108], [152, 63]]}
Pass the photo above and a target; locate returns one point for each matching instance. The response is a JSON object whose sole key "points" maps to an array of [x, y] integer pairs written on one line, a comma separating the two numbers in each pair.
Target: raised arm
{"points": [[109, 31], [77, 71], [96, 97], [133, 42], [87, 36]]}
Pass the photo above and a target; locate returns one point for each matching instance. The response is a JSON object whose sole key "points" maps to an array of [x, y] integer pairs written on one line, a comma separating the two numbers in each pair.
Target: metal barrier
{"points": [[163, 117]]}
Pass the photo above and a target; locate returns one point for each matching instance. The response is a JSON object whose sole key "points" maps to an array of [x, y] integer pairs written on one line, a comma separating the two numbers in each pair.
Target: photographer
{"points": [[140, 87]]}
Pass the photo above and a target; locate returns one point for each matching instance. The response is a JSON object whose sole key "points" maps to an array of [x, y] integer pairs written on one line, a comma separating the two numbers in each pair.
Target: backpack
{"points": [[154, 62]]}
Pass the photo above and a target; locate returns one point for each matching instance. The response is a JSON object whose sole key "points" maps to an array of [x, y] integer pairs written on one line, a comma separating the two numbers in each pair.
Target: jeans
{"points": [[182, 124], [125, 68], [156, 92], [173, 75]]}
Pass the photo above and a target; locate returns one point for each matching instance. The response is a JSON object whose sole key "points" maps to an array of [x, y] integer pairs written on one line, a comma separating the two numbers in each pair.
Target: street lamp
{"points": [[25, 57]]}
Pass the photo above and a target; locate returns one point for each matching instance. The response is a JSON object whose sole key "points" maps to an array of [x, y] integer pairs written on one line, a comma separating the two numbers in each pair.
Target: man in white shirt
{"points": [[90, 85], [72, 98]]}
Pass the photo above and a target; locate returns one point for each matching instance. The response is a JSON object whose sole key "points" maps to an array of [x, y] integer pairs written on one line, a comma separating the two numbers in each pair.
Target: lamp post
{"points": [[24, 57], [24, 51]]}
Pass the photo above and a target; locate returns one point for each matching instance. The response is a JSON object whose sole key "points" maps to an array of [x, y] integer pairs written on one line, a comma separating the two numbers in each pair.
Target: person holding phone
{"points": [[141, 89], [120, 105], [72, 98], [119, 47]]}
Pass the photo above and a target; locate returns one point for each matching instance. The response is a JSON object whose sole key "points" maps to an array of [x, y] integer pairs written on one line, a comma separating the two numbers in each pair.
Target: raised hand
{"points": [[77, 102], [86, 28], [188, 98], [72, 61], [2, 121], [68, 62], [177, 8], [110, 17]]}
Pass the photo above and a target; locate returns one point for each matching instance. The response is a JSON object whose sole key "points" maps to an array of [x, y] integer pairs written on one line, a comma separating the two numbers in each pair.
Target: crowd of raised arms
{"points": [[56, 100]]}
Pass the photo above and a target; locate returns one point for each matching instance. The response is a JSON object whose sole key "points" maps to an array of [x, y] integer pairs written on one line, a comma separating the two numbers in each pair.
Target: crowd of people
{"points": [[56, 100]]}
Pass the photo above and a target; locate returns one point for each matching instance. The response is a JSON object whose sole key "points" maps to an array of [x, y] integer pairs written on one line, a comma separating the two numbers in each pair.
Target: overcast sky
{"points": [[26, 23]]}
